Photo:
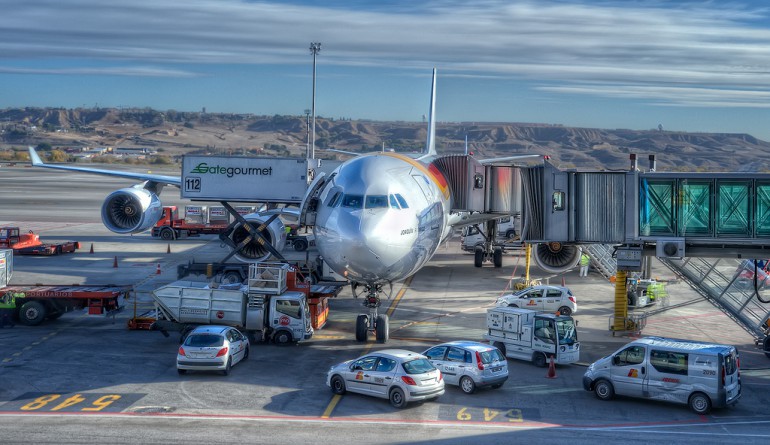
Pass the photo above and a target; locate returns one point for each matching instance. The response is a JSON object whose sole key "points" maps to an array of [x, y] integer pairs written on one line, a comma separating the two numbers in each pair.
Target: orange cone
{"points": [[168, 249], [157, 271], [551, 370], [115, 263], [92, 248]]}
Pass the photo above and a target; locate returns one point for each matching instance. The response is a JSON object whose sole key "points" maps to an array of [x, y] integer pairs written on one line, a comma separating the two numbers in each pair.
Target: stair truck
{"points": [[272, 306], [533, 336], [30, 244]]}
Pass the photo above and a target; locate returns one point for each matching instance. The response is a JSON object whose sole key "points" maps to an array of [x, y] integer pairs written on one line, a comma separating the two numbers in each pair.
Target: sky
{"points": [[696, 66]]}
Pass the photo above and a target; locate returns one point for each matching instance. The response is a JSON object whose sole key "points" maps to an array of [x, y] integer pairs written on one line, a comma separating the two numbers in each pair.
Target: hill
{"points": [[175, 133]]}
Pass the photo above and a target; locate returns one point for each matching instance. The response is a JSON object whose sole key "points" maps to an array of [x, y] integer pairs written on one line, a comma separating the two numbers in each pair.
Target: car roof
{"points": [[540, 286], [398, 353], [468, 344], [210, 329]]}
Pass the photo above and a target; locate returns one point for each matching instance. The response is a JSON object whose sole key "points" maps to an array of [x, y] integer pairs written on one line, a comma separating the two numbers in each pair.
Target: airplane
{"points": [[379, 218]]}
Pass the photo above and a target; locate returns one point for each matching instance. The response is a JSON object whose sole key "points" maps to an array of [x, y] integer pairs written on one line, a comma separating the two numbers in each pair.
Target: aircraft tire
{"points": [[478, 257], [497, 257], [382, 328], [362, 327]]}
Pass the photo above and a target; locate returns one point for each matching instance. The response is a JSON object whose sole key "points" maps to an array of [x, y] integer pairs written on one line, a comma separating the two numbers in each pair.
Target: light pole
{"points": [[315, 48], [307, 128]]}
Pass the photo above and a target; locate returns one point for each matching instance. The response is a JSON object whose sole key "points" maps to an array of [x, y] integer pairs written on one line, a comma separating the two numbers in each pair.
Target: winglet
{"points": [[430, 145], [34, 157]]}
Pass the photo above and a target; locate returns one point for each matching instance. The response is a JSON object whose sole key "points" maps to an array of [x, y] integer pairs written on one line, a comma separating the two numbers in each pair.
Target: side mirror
{"points": [[615, 360]]}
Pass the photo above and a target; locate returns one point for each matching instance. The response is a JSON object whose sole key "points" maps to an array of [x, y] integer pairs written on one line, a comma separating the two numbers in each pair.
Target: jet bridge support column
{"points": [[621, 302]]}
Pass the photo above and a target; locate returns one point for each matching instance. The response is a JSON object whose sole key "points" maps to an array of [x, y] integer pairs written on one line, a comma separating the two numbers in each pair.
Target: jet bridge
{"points": [[670, 215]]}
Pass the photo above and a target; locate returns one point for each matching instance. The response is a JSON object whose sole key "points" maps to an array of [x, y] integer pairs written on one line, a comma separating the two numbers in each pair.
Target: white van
{"points": [[507, 229], [701, 375]]}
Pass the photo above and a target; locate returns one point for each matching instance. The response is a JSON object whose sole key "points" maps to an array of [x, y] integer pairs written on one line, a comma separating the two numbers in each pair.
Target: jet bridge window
{"points": [[376, 201], [558, 201], [353, 201]]}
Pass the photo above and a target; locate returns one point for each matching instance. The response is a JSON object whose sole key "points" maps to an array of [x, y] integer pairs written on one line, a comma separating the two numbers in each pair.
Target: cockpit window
{"points": [[353, 201], [334, 201], [393, 202], [376, 201], [401, 201]]}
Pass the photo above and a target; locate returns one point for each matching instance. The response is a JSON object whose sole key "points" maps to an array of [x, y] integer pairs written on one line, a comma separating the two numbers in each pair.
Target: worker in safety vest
{"points": [[7, 310], [585, 260]]}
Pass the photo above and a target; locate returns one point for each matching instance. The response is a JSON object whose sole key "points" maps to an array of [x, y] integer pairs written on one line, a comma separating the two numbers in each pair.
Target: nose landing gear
{"points": [[374, 322]]}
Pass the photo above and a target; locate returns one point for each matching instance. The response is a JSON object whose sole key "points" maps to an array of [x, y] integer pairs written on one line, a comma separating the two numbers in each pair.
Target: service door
{"points": [[628, 371]]}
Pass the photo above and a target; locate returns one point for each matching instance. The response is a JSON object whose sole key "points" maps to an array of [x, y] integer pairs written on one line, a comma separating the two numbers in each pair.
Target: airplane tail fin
{"points": [[430, 145]]}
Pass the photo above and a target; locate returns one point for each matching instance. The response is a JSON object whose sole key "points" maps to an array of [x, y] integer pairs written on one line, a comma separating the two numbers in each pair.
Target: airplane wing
{"points": [[160, 179]]}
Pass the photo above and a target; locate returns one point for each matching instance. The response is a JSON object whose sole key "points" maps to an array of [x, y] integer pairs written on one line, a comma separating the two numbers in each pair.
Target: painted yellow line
{"points": [[328, 411], [399, 295]]}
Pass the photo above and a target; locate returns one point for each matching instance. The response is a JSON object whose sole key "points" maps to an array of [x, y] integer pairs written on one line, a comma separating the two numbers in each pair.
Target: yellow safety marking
{"points": [[328, 411], [400, 294]]}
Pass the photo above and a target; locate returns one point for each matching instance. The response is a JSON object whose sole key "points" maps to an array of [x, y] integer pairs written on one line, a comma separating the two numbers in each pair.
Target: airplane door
{"points": [[629, 371]]}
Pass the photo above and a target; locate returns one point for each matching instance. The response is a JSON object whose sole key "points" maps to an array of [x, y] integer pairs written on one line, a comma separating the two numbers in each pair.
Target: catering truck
{"points": [[274, 305], [530, 335], [198, 220]]}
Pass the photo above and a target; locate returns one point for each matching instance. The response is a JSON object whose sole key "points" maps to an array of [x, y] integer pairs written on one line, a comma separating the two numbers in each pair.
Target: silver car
{"points": [[469, 364], [543, 298], [394, 374], [212, 348]]}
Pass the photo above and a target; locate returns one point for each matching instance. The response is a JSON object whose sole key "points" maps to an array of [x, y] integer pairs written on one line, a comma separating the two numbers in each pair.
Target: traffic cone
{"points": [[157, 270], [115, 263], [92, 248], [168, 249], [551, 370]]}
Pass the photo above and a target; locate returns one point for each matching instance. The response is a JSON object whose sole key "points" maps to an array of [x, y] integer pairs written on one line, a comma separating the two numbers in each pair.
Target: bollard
{"points": [[157, 270]]}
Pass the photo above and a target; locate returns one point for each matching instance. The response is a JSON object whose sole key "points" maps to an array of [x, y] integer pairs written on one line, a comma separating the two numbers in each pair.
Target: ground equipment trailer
{"points": [[35, 303], [273, 305], [30, 244], [314, 270], [170, 226], [534, 336]]}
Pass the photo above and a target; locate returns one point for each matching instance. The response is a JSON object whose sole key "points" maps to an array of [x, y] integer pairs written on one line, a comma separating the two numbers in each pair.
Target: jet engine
{"points": [[555, 257], [131, 210], [255, 250]]}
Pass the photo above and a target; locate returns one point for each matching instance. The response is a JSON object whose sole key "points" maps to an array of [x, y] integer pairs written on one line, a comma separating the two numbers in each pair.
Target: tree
{"points": [[44, 146], [59, 156]]}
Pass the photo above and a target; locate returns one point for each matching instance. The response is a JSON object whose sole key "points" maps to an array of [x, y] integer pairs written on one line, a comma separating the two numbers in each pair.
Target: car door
{"points": [[532, 300], [628, 371], [239, 340], [380, 379], [357, 379], [236, 348], [437, 356], [552, 300], [457, 359]]}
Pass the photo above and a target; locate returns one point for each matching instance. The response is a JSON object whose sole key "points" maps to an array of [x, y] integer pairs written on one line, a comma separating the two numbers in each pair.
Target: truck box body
{"points": [[218, 215], [196, 214]]}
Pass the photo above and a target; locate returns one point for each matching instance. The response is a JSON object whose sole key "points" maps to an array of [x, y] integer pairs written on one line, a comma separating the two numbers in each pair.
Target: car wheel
{"points": [[700, 403], [181, 371], [564, 310], [228, 366], [467, 385], [501, 347], [32, 313], [397, 398], [338, 385], [282, 338], [478, 257], [231, 277], [539, 360], [603, 390], [382, 328], [246, 354], [362, 327]]}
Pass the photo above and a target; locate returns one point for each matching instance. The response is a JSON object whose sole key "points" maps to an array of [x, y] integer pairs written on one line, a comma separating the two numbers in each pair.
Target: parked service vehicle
{"points": [[395, 374], [543, 298], [701, 375], [469, 364], [529, 335], [212, 348]]}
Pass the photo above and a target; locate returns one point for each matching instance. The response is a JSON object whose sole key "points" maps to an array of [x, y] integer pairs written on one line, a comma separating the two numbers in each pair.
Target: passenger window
{"points": [[436, 353], [393, 202], [669, 362], [353, 201], [288, 307], [554, 293], [385, 365], [364, 364], [455, 355], [376, 201], [401, 201], [630, 356]]}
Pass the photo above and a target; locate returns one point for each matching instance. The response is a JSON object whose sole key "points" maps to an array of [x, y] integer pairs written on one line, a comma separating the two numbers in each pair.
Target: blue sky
{"points": [[688, 66]]}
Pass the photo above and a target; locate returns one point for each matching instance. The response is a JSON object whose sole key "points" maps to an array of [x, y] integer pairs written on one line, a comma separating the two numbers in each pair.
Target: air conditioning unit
{"points": [[669, 248]]}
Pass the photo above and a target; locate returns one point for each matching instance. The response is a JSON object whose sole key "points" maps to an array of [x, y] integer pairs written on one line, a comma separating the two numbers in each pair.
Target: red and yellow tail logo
{"points": [[633, 373]]}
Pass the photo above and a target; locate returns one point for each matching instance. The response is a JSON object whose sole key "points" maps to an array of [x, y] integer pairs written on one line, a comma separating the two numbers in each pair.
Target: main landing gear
{"points": [[373, 321], [490, 250]]}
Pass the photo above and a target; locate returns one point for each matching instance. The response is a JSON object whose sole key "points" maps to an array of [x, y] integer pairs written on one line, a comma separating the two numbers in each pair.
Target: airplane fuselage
{"points": [[382, 217]]}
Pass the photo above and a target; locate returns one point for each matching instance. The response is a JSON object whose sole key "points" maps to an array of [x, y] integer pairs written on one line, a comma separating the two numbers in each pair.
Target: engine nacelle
{"points": [[131, 210], [555, 257], [255, 251]]}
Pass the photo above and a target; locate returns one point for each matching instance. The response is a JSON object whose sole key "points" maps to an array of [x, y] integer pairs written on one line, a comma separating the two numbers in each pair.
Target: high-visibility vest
{"points": [[8, 302], [585, 260]]}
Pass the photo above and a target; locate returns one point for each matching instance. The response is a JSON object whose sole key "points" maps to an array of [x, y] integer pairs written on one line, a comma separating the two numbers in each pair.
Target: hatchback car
{"points": [[542, 298], [394, 374], [212, 348], [469, 364]]}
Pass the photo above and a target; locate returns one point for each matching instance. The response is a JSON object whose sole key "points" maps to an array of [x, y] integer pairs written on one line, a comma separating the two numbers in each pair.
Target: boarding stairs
{"points": [[602, 259], [719, 281]]}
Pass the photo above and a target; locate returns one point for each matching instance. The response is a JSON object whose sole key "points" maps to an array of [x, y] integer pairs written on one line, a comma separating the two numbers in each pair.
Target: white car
{"points": [[395, 374], [212, 348], [469, 364], [544, 298]]}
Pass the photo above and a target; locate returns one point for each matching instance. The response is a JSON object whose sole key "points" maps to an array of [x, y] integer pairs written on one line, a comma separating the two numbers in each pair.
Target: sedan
{"points": [[469, 364], [542, 298], [394, 374], [212, 348]]}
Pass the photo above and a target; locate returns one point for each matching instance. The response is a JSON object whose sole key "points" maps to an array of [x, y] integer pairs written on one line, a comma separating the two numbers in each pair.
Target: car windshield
{"points": [[491, 355], [418, 366], [204, 340], [566, 331]]}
